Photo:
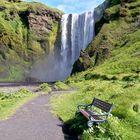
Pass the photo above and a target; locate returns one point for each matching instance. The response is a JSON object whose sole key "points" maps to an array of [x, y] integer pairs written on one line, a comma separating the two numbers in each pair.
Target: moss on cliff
{"points": [[27, 32], [117, 31]]}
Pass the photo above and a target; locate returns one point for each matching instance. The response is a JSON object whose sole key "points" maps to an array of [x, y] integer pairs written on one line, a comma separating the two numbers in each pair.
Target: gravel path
{"points": [[33, 121], [13, 89]]}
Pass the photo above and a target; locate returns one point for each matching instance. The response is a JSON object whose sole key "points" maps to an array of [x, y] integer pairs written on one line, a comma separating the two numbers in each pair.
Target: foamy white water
{"points": [[77, 33]]}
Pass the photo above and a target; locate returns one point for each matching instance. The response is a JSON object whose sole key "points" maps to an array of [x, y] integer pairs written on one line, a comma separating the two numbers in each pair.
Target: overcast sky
{"points": [[72, 6]]}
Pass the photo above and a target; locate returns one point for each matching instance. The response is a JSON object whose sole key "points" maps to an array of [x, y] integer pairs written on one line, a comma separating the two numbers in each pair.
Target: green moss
{"points": [[114, 2], [20, 45], [36, 49], [12, 56], [53, 35], [118, 29], [15, 72], [113, 11]]}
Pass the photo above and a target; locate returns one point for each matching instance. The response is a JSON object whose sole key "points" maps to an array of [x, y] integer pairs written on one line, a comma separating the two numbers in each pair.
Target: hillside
{"points": [[116, 32], [113, 62], [28, 32]]}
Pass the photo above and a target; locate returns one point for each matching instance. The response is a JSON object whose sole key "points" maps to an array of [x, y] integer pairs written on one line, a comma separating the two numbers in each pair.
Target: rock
{"points": [[31, 79], [2, 8], [83, 63], [14, 0], [42, 20], [136, 108], [45, 12]]}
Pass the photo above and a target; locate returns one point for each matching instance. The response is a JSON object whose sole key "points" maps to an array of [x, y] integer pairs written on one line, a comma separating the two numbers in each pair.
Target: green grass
{"points": [[123, 60], [9, 103], [61, 85], [45, 88], [114, 78], [24, 5], [125, 99], [36, 5]]}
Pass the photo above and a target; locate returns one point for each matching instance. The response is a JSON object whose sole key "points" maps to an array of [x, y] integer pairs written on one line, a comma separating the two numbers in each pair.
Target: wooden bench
{"points": [[91, 113]]}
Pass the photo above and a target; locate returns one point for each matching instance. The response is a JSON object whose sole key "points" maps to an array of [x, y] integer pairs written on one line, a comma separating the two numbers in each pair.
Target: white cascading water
{"points": [[77, 33], [64, 23]]}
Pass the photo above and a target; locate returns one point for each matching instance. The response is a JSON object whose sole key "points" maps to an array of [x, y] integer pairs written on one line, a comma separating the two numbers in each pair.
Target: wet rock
{"points": [[136, 107], [83, 63], [41, 21]]}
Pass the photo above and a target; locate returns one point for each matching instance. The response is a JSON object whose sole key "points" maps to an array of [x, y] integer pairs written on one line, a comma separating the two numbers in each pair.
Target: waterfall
{"points": [[77, 31]]}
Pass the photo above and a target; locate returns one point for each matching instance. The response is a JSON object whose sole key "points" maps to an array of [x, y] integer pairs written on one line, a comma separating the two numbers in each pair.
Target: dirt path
{"points": [[33, 121]]}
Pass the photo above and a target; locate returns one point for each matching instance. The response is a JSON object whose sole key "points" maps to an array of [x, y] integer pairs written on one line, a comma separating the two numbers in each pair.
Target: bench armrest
{"points": [[105, 114], [83, 105]]}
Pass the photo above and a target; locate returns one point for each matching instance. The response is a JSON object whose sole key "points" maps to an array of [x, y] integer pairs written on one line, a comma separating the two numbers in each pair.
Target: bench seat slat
{"points": [[89, 114]]}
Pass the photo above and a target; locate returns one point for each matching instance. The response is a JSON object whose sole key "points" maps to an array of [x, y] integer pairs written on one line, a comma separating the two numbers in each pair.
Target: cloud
{"points": [[78, 6], [61, 7], [66, 1], [73, 6]]}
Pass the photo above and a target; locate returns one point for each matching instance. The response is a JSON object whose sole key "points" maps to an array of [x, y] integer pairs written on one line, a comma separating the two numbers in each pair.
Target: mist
{"points": [[77, 32]]}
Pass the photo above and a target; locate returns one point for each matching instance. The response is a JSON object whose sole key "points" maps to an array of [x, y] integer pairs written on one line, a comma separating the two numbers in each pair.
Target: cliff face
{"points": [[119, 28], [28, 31]]}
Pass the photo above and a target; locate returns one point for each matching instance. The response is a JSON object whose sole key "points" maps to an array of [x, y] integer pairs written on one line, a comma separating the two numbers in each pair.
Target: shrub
{"points": [[45, 87], [61, 85], [130, 78]]}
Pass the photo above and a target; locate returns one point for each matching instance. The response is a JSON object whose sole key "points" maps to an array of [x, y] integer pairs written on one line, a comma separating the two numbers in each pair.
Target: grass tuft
{"points": [[45, 88], [61, 85]]}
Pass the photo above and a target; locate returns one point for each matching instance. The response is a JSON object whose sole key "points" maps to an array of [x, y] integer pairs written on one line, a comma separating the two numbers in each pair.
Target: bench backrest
{"points": [[102, 105]]}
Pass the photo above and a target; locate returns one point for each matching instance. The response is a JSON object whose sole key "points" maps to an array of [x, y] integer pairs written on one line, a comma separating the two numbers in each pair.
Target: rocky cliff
{"points": [[28, 31]]}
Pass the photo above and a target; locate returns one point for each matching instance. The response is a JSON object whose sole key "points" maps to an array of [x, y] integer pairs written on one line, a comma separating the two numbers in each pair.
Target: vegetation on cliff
{"points": [[117, 31], [28, 31], [113, 76]]}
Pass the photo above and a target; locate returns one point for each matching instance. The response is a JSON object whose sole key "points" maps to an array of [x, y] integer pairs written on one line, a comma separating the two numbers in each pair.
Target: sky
{"points": [[72, 6]]}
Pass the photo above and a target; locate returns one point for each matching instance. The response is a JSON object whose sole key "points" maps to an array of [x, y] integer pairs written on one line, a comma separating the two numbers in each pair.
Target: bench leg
{"points": [[90, 123], [96, 124]]}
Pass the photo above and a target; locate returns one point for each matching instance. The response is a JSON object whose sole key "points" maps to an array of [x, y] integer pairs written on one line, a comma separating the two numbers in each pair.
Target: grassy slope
{"points": [[115, 80], [11, 102], [118, 30]]}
